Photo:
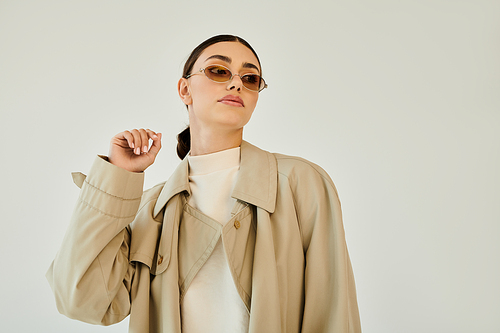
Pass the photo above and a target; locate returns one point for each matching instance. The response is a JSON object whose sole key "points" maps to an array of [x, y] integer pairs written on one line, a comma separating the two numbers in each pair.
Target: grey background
{"points": [[397, 100]]}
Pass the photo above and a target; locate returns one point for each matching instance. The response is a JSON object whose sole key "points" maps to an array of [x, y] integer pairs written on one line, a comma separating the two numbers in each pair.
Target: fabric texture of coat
{"points": [[129, 252]]}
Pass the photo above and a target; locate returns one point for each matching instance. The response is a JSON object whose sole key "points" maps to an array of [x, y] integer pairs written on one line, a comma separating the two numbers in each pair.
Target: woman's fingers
{"points": [[131, 150], [138, 140], [156, 146], [138, 144], [144, 141], [142, 144], [129, 137]]}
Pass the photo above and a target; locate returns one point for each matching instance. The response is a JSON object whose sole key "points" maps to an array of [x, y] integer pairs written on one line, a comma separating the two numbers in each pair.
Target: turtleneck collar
{"points": [[205, 164]]}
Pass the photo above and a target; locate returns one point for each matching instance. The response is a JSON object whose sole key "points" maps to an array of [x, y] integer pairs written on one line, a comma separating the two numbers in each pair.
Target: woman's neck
{"points": [[207, 142]]}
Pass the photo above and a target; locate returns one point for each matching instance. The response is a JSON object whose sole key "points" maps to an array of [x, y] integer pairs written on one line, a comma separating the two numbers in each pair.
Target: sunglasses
{"points": [[219, 73]]}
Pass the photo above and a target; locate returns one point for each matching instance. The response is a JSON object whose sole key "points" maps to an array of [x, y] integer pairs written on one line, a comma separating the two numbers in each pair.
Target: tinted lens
{"points": [[252, 81], [218, 73]]}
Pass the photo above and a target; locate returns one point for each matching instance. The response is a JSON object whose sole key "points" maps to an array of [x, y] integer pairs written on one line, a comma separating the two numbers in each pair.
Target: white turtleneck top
{"points": [[212, 303]]}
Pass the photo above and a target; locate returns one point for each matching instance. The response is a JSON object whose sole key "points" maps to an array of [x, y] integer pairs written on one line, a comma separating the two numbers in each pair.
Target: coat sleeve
{"points": [[91, 274], [330, 303]]}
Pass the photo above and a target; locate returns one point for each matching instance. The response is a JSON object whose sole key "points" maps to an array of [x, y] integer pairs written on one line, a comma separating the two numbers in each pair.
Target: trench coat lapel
{"points": [[257, 180], [177, 183]]}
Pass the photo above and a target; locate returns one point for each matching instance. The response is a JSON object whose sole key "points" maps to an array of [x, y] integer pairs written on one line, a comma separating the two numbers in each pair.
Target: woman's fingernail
{"points": [[132, 145], [137, 151], [145, 149]]}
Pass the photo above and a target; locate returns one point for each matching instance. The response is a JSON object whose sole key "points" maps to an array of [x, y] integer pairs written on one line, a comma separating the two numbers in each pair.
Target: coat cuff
{"points": [[112, 190], [114, 180]]}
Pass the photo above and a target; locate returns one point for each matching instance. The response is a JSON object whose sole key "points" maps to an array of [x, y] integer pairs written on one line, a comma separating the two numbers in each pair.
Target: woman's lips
{"points": [[232, 100]]}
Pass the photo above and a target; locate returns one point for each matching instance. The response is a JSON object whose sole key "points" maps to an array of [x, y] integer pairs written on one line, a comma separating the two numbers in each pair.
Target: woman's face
{"points": [[225, 106]]}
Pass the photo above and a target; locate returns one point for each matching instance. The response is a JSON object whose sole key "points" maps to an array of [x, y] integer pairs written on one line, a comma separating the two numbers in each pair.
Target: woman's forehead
{"points": [[230, 53]]}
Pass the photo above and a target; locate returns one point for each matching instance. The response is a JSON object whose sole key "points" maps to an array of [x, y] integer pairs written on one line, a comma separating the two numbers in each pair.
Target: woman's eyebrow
{"points": [[249, 65], [229, 60], [220, 57]]}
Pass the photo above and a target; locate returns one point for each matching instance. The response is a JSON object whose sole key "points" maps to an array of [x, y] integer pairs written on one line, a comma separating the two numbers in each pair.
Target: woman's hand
{"points": [[130, 149]]}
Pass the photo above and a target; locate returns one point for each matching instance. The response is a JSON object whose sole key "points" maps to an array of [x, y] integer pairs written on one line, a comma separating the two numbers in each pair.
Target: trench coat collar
{"points": [[256, 184]]}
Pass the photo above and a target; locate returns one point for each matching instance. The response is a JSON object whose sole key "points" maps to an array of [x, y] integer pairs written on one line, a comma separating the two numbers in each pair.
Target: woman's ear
{"points": [[184, 91]]}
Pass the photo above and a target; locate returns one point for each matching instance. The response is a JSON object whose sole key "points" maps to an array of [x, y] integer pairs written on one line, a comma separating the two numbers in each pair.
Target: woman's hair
{"points": [[184, 138]]}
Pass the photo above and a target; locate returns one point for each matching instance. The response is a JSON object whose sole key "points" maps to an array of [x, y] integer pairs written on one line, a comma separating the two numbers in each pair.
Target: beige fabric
{"points": [[212, 302], [128, 252]]}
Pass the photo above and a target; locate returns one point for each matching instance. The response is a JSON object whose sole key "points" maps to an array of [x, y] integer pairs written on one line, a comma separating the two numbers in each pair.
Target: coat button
{"points": [[237, 224], [160, 259]]}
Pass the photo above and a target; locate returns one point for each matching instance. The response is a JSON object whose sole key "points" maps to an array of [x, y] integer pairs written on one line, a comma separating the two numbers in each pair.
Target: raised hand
{"points": [[130, 150]]}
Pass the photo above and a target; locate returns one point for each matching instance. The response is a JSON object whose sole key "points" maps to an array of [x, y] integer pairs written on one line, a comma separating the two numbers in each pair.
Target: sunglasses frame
{"points": [[232, 75]]}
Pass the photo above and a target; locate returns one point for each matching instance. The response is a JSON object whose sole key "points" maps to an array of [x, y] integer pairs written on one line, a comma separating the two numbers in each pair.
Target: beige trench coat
{"points": [[132, 253]]}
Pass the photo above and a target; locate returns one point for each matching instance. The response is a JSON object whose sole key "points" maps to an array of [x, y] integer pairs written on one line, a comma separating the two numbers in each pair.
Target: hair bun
{"points": [[184, 143]]}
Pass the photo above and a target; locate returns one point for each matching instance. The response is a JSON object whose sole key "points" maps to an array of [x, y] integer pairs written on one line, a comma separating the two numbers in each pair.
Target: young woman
{"points": [[237, 240]]}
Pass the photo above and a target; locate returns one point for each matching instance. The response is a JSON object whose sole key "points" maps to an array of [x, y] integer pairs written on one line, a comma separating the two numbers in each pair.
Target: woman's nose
{"points": [[235, 83]]}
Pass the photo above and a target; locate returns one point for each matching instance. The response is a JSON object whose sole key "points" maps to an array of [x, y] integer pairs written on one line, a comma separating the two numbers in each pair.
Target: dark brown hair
{"points": [[184, 137]]}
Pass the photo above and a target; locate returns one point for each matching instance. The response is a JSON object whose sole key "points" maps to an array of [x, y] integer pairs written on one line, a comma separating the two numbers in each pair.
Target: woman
{"points": [[237, 240]]}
